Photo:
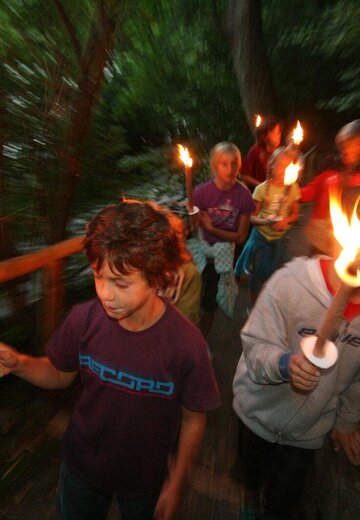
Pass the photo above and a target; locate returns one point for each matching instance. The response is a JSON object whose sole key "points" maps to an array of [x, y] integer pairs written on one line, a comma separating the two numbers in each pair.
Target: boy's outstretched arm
{"points": [[38, 371], [191, 433]]}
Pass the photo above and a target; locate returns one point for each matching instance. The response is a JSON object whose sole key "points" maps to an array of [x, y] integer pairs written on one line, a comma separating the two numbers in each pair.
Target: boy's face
{"points": [[350, 151], [227, 168], [126, 298]]}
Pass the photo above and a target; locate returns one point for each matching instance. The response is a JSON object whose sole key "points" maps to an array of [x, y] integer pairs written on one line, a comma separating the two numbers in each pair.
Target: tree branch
{"points": [[70, 29]]}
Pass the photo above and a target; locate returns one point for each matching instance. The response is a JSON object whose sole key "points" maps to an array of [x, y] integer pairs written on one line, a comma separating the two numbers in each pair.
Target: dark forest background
{"points": [[94, 97], [95, 94]]}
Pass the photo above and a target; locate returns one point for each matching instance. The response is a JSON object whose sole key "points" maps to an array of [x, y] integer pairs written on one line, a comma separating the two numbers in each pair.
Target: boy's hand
{"points": [[8, 359], [168, 503], [303, 374], [349, 442]]}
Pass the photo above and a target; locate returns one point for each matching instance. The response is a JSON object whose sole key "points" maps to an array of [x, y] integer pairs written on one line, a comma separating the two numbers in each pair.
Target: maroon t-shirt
{"points": [[133, 384]]}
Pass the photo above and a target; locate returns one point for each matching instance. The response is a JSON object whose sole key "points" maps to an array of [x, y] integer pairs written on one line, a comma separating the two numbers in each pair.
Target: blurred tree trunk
{"points": [[6, 244], [250, 59], [92, 61], [7, 247]]}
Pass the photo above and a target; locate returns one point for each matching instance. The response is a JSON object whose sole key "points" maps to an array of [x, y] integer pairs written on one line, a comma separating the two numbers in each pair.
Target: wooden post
{"points": [[53, 296]]}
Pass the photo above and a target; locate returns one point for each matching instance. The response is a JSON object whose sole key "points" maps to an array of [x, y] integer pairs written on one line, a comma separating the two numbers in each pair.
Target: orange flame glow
{"points": [[298, 134], [291, 173], [258, 120], [347, 233], [185, 156]]}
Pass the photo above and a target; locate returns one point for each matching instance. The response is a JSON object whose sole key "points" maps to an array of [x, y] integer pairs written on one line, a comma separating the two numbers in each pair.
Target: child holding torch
{"points": [[225, 208], [268, 138], [146, 377], [318, 228], [277, 207], [286, 404]]}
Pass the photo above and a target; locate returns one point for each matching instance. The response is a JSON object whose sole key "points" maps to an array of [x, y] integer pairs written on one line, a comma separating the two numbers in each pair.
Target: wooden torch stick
{"points": [[332, 318], [334, 314], [189, 191]]}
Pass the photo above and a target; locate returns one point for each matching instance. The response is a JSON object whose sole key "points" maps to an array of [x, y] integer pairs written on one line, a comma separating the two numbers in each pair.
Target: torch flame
{"points": [[291, 173], [185, 156], [298, 134], [258, 120], [348, 235]]}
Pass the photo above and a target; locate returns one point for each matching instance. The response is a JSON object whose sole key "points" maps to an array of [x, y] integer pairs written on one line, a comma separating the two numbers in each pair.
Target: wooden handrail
{"points": [[51, 260], [25, 264]]}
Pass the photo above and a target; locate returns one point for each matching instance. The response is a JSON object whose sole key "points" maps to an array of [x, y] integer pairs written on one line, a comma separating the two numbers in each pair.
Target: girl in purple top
{"points": [[225, 207]]}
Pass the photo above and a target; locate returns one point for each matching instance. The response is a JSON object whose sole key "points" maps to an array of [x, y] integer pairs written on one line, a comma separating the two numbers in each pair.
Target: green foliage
{"points": [[169, 79], [37, 84], [173, 69], [314, 49]]}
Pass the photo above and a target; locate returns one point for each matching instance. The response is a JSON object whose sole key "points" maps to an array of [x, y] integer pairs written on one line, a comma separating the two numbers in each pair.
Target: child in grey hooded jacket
{"points": [[286, 405]]}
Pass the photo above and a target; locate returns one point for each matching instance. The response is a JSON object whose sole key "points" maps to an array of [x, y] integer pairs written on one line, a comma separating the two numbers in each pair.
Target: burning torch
{"points": [[188, 162], [320, 350]]}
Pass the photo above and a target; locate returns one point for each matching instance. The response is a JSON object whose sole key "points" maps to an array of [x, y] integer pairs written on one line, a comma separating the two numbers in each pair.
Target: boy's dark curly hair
{"points": [[134, 235]]}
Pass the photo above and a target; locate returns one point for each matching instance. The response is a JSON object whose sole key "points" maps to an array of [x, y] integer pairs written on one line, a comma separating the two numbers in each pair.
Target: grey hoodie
{"points": [[290, 307]]}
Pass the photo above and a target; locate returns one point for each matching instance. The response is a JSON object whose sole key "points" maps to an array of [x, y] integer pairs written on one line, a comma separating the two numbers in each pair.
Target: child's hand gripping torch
{"points": [[320, 350]]}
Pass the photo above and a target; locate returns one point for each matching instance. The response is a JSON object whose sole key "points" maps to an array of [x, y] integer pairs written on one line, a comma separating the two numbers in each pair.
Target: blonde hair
{"points": [[224, 148], [282, 151]]}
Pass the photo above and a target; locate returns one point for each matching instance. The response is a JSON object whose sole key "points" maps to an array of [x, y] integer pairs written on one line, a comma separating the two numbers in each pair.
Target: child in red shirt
{"points": [[319, 228]]}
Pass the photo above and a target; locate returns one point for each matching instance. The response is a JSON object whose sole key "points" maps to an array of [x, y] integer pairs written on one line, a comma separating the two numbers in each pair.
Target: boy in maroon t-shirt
{"points": [[146, 377]]}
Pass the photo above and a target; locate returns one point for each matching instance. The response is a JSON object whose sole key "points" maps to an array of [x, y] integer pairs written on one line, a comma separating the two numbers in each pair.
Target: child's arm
{"points": [[265, 339], [349, 442], [38, 371], [191, 433], [239, 236], [346, 431], [311, 191], [254, 219], [308, 192]]}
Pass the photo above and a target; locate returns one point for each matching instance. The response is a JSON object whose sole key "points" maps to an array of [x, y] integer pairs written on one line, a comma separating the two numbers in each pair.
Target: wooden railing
{"points": [[51, 261]]}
